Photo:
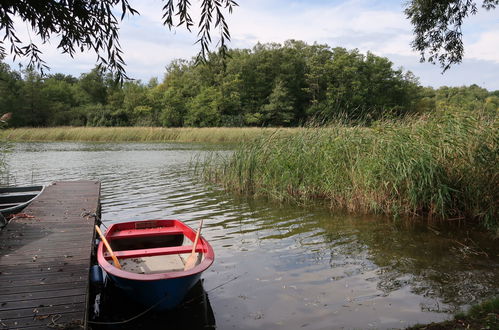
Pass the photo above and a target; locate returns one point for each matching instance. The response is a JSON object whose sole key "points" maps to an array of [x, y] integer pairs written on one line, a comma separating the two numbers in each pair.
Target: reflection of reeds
{"points": [[481, 316], [135, 134], [444, 167]]}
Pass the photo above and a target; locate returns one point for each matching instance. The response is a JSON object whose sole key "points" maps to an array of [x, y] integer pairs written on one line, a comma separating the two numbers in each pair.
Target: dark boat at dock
{"points": [[15, 199]]}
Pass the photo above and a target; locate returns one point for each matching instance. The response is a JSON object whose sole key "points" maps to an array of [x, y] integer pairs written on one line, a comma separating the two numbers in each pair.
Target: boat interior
{"points": [[11, 197], [152, 250]]}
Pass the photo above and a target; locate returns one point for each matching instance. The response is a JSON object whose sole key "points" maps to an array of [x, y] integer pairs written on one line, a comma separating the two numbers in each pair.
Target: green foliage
{"points": [[10, 89], [279, 110], [92, 25], [273, 84], [138, 134], [442, 167], [204, 109], [290, 84], [437, 28], [482, 316]]}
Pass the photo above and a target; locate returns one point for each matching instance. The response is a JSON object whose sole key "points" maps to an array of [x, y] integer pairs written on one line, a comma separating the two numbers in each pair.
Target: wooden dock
{"points": [[45, 259]]}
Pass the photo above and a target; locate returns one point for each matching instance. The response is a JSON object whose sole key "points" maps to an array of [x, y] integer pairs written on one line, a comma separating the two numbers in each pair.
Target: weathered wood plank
{"points": [[46, 321], [38, 311], [54, 277], [68, 291], [41, 286], [11, 276], [48, 302], [45, 258]]}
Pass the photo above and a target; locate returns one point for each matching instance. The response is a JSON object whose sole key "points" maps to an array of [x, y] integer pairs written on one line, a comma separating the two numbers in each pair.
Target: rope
{"points": [[159, 302], [98, 220], [132, 318]]}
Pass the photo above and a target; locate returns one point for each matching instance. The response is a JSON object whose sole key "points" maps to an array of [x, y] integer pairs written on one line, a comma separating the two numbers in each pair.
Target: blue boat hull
{"points": [[162, 294]]}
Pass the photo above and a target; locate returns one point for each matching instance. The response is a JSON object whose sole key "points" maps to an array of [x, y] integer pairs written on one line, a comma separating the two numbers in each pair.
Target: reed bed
{"points": [[444, 167], [135, 134]]}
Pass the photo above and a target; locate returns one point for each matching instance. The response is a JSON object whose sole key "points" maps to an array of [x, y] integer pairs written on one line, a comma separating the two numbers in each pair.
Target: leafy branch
{"points": [[93, 26]]}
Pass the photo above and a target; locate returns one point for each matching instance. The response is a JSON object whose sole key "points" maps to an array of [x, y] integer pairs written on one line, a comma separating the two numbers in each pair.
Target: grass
{"points": [[134, 134], [443, 167], [483, 316]]}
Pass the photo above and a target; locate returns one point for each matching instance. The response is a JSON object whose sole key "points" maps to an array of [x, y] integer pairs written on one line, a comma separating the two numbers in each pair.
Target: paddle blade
{"points": [[193, 258], [191, 261]]}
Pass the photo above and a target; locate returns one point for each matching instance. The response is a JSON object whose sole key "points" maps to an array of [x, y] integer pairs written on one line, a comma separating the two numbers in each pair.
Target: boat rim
{"points": [[209, 257], [22, 205]]}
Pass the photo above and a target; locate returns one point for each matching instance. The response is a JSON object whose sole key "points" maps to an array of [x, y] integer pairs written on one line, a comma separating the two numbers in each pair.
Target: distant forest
{"points": [[288, 84]]}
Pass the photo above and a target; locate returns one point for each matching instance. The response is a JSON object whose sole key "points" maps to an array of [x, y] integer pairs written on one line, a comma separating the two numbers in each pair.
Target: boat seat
{"points": [[5, 205], [148, 232], [184, 249]]}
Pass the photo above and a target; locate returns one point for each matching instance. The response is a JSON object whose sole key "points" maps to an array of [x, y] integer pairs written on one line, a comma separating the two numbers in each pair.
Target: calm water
{"points": [[279, 266]]}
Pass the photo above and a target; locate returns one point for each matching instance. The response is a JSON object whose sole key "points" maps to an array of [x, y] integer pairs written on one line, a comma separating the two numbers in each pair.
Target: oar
{"points": [[191, 261], [108, 247]]}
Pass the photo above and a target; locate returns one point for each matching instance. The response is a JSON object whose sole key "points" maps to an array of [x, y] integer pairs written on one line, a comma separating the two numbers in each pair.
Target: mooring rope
{"points": [[159, 302]]}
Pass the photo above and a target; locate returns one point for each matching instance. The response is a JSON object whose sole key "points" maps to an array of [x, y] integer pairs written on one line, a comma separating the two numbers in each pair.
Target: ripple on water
{"points": [[294, 266]]}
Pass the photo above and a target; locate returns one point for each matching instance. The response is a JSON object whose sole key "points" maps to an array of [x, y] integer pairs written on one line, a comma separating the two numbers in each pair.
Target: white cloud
{"points": [[485, 48], [345, 21], [377, 26]]}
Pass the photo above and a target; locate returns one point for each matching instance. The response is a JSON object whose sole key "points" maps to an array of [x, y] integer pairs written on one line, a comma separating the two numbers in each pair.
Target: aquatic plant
{"points": [[482, 316], [135, 134], [443, 167]]}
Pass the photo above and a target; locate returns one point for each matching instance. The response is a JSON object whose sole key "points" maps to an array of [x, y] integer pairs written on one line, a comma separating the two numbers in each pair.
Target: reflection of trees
{"points": [[195, 312], [452, 266], [434, 264]]}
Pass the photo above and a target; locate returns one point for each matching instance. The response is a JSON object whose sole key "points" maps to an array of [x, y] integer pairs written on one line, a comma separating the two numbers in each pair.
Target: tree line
{"points": [[272, 84]]}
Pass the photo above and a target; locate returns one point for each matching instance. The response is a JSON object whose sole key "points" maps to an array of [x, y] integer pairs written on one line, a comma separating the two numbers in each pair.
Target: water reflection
{"points": [[119, 312], [295, 267]]}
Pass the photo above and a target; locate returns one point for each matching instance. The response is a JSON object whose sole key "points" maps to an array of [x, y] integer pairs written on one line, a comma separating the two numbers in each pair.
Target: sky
{"points": [[366, 25]]}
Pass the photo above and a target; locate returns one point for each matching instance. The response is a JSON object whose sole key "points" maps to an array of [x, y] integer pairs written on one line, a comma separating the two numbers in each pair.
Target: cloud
{"points": [[344, 22], [486, 47], [376, 26]]}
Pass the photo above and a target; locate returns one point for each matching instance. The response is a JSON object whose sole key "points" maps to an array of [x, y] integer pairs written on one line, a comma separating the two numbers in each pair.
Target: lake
{"points": [[278, 266]]}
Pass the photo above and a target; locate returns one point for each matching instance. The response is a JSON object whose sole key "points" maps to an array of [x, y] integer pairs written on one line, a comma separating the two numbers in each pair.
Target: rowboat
{"points": [[152, 256], [14, 199]]}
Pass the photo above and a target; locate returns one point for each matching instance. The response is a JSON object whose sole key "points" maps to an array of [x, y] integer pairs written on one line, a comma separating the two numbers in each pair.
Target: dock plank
{"points": [[46, 321], [45, 259]]}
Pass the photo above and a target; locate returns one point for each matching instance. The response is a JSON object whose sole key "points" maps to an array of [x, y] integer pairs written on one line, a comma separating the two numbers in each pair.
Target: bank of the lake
{"points": [[444, 167], [136, 134], [482, 316]]}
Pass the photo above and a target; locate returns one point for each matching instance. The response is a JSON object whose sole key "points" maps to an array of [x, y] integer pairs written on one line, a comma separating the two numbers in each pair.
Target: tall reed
{"points": [[444, 167], [134, 134]]}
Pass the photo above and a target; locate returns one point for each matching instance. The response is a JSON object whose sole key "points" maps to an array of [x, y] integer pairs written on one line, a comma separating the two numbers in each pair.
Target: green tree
{"points": [[10, 91], [33, 110], [204, 109], [94, 85], [60, 99], [279, 111], [173, 108], [181, 83]]}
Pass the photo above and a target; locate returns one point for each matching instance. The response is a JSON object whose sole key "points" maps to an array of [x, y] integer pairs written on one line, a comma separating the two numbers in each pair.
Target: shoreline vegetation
{"points": [[481, 316], [442, 167], [220, 135]]}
